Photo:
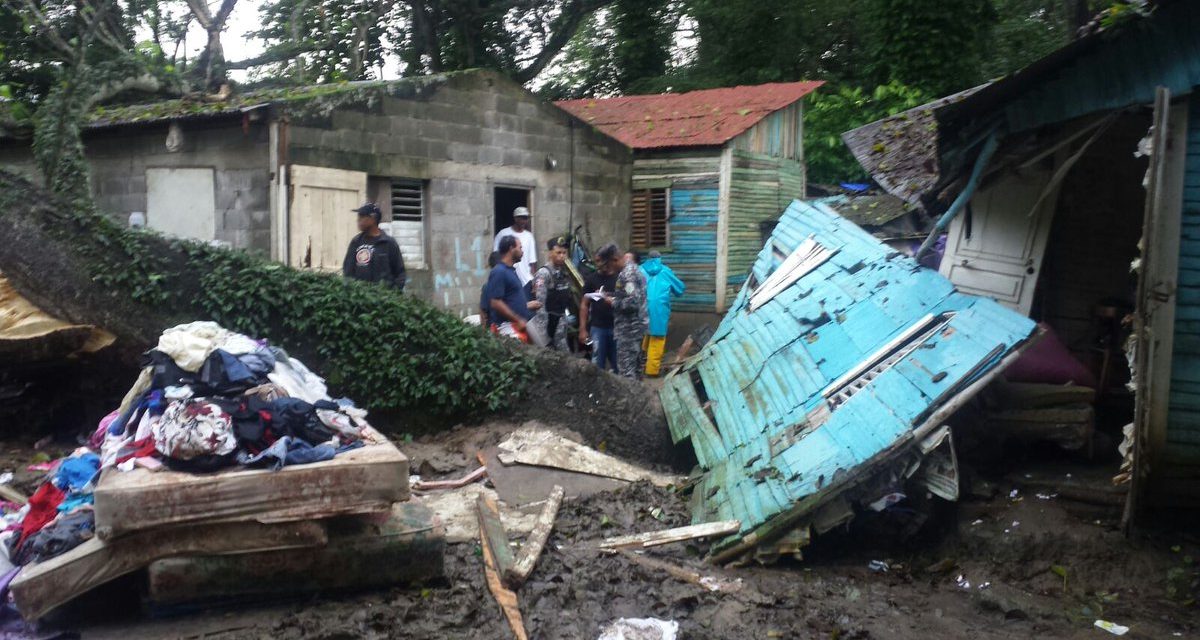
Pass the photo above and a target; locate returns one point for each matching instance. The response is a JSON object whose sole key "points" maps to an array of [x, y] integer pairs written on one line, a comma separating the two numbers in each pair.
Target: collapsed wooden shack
{"points": [[1083, 219], [828, 385]]}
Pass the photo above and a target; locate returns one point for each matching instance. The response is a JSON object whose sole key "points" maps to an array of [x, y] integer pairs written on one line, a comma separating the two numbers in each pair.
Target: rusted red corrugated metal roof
{"points": [[710, 117]]}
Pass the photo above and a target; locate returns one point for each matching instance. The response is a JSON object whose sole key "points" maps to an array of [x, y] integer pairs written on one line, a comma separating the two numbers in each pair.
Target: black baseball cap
{"points": [[369, 209]]}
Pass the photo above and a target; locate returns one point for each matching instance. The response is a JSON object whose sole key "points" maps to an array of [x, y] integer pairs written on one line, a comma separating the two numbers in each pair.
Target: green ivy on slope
{"points": [[387, 351], [392, 351]]}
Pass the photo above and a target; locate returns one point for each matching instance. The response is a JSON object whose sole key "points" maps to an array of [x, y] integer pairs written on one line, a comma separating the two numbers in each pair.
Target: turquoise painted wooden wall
{"points": [[693, 234], [1183, 421]]}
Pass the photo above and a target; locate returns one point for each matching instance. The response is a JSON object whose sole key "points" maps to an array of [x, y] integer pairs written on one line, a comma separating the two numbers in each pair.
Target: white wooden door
{"points": [[321, 221], [998, 252]]}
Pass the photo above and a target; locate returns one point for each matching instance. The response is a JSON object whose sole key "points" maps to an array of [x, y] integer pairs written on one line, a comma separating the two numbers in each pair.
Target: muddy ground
{"points": [[995, 565]]}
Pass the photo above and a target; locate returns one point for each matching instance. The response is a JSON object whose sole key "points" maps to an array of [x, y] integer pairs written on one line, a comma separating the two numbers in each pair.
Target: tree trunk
{"points": [[49, 252]]}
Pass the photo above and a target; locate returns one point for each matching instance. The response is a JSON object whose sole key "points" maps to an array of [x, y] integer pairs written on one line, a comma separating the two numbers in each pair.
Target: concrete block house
{"points": [[712, 170], [447, 157]]}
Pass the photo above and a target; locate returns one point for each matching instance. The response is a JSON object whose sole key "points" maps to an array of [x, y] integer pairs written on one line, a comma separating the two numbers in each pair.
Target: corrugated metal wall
{"points": [[1183, 424], [761, 187]]}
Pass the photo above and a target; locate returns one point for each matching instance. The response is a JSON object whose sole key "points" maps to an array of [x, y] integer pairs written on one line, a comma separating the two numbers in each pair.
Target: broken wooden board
{"points": [[1035, 395], [365, 480], [523, 484], [545, 448], [504, 597], [456, 510], [406, 548], [667, 536], [41, 587], [532, 549], [1068, 426], [492, 532]]}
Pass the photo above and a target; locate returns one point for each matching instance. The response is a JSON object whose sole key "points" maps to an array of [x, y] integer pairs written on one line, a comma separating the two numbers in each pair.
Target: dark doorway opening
{"points": [[506, 199]]}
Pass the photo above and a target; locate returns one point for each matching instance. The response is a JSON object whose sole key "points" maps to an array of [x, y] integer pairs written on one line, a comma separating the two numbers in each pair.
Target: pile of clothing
{"points": [[206, 399], [58, 516]]}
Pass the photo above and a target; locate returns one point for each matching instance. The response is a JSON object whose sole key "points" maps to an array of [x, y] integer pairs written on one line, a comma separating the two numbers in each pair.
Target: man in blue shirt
{"points": [[510, 307]]}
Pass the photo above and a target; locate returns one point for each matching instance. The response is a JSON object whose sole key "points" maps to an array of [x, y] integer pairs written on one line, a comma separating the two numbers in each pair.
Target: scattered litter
{"points": [[984, 586], [977, 522], [1016, 523], [640, 629], [1014, 493], [1047, 496], [41, 466], [878, 566], [713, 583], [6, 477], [1068, 475], [962, 581], [886, 501], [1112, 627]]}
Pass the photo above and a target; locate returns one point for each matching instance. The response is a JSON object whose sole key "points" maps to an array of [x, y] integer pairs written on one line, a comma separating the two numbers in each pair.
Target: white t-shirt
{"points": [[528, 245]]}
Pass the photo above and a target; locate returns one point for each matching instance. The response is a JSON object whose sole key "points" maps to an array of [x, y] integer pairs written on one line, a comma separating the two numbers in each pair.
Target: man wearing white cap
{"points": [[520, 230]]}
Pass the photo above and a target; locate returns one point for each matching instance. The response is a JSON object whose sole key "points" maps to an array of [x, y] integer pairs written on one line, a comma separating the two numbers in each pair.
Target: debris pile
{"points": [[827, 387], [224, 445]]}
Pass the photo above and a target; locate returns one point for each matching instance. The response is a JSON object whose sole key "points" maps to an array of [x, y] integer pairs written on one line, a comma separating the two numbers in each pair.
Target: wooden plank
{"points": [[723, 226], [365, 480], [504, 597], [492, 532], [41, 587], [362, 553], [679, 534], [536, 542], [682, 573]]}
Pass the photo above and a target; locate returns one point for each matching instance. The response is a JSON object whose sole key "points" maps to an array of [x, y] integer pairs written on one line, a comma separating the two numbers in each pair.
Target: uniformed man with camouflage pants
{"points": [[630, 318], [552, 288]]}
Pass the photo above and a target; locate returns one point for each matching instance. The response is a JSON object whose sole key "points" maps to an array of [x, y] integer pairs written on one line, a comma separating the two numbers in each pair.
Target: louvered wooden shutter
{"points": [[649, 218], [639, 235]]}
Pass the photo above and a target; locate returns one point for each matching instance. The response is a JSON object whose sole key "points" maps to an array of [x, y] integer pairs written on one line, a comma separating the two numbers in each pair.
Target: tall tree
{"points": [[937, 46], [624, 49], [311, 41], [343, 38]]}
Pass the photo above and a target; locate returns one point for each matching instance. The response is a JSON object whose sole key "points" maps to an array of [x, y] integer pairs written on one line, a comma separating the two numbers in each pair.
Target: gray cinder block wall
{"points": [[473, 133], [464, 134]]}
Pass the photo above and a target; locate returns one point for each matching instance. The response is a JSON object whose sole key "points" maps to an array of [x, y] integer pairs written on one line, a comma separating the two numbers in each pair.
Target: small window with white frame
{"points": [[404, 199]]}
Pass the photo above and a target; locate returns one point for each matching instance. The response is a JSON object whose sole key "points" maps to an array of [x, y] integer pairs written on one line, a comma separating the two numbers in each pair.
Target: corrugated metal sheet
{"points": [[693, 233], [710, 117], [1183, 421], [753, 402]]}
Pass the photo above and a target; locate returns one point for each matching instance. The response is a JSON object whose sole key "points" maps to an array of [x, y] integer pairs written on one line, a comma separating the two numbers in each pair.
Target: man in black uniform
{"points": [[373, 256]]}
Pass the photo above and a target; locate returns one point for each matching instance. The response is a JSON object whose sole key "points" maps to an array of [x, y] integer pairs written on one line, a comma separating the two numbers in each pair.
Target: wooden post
{"points": [[724, 185]]}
